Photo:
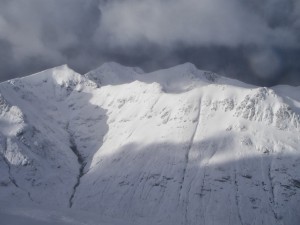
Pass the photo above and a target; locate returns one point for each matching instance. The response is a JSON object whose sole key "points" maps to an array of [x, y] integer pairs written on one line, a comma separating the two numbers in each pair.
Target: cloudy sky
{"points": [[256, 41]]}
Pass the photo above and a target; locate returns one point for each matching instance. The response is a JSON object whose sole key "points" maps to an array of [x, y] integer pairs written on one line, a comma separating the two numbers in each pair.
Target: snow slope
{"points": [[175, 146]]}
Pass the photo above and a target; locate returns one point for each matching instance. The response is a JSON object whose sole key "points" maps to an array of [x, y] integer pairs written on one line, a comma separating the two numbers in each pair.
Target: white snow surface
{"points": [[175, 146]]}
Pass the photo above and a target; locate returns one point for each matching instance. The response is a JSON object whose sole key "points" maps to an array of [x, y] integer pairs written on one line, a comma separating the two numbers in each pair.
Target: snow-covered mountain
{"points": [[175, 146]]}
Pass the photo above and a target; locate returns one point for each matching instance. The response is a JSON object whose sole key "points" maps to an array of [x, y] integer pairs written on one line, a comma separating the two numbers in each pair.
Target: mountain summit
{"points": [[174, 146]]}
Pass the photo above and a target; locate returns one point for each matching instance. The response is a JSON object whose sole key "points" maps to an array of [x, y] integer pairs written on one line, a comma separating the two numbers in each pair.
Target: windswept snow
{"points": [[175, 146]]}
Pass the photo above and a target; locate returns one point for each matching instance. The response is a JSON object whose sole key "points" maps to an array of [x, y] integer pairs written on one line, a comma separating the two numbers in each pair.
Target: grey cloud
{"points": [[193, 22], [44, 33], [250, 36], [255, 41]]}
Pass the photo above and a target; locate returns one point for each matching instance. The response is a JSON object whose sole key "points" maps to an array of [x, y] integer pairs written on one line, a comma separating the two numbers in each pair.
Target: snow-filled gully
{"points": [[187, 156], [82, 164]]}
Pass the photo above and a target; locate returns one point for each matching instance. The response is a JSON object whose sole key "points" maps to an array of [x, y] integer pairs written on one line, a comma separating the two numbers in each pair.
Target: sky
{"points": [[255, 41]]}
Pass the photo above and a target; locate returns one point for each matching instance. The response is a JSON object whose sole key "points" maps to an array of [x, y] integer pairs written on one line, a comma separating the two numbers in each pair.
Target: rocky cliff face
{"points": [[176, 146]]}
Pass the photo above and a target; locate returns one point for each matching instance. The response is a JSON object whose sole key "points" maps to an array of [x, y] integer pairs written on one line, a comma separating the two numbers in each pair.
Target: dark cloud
{"points": [[45, 33], [255, 41]]}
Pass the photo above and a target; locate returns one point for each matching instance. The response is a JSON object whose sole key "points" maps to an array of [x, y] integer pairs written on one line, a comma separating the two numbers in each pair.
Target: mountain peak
{"points": [[58, 72], [117, 67], [113, 73], [187, 66]]}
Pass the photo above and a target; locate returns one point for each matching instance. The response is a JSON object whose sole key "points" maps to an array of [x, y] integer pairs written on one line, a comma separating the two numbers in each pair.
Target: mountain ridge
{"points": [[175, 146]]}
